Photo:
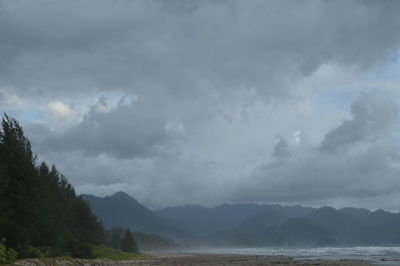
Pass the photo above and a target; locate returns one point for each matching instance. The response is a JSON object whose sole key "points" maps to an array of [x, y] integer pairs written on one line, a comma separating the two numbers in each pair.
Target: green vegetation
{"points": [[28, 251], [40, 213], [7, 255]]}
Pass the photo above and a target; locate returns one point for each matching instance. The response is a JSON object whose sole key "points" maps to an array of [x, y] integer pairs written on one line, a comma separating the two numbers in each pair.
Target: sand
{"points": [[194, 260]]}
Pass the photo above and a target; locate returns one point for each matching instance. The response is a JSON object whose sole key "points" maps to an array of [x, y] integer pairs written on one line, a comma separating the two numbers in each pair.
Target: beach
{"points": [[194, 260]]}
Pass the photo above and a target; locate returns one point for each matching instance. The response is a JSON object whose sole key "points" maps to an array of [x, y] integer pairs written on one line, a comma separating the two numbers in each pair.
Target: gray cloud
{"points": [[372, 115], [316, 178], [215, 83], [128, 130], [361, 167], [281, 149], [187, 47]]}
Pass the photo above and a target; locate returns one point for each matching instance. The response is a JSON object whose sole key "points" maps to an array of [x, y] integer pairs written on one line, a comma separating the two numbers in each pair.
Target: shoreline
{"points": [[170, 259]]}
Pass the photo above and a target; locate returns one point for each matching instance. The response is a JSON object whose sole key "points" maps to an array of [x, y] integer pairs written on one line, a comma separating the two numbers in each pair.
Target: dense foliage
{"points": [[40, 212], [7, 255]]}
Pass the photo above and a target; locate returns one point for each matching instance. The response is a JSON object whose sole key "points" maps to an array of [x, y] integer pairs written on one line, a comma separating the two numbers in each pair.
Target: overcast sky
{"points": [[203, 102]]}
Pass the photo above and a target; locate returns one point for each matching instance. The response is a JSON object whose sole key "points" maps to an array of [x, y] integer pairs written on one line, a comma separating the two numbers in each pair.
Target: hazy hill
{"points": [[385, 224], [323, 226], [247, 233], [346, 228], [298, 232], [203, 221], [251, 224], [122, 210], [260, 221]]}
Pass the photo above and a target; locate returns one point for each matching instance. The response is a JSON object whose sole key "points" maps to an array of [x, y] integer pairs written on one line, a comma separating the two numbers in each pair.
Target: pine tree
{"points": [[115, 236], [18, 172], [128, 244], [38, 206]]}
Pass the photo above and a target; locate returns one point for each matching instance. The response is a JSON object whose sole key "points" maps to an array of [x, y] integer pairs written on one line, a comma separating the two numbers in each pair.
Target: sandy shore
{"points": [[194, 260]]}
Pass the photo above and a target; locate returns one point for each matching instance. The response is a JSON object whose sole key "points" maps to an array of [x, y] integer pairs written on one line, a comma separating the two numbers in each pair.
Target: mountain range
{"points": [[121, 210], [244, 225]]}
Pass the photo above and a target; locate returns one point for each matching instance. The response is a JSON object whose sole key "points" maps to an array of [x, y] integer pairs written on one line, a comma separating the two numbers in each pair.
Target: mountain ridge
{"points": [[122, 210], [248, 224]]}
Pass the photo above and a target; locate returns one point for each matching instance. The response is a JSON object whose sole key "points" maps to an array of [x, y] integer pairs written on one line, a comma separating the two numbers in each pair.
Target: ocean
{"points": [[378, 255]]}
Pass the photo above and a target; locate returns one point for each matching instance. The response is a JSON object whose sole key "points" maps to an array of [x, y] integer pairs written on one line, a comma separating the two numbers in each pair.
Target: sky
{"points": [[204, 102]]}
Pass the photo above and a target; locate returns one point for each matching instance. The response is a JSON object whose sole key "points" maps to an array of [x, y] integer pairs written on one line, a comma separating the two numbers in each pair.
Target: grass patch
{"points": [[106, 252]]}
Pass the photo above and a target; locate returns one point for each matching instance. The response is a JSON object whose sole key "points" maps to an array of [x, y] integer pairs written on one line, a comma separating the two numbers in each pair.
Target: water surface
{"points": [[378, 255]]}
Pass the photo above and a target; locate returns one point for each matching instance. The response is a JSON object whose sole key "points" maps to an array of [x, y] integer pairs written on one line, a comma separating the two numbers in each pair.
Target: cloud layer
{"points": [[354, 160], [188, 47], [208, 101]]}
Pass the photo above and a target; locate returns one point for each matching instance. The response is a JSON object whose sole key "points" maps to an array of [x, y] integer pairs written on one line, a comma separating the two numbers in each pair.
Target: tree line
{"points": [[40, 212]]}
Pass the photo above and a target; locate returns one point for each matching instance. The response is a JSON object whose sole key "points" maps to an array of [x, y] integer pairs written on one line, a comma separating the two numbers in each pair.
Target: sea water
{"points": [[377, 255]]}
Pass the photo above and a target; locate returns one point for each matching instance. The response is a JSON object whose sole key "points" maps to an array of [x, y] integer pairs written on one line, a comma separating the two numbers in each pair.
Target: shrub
{"points": [[55, 252], [28, 251], [82, 250], [7, 255], [11, 255]]}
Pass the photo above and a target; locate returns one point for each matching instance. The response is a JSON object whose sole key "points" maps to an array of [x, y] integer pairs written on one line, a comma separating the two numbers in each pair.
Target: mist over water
{"points": [[378, 255]]}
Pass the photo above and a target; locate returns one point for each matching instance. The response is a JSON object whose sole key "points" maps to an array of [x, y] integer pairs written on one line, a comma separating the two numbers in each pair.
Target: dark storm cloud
{"points": [[187, 46]]}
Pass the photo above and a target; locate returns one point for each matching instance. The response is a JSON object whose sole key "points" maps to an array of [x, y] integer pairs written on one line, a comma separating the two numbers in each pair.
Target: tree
{"points": [[18, 173], [114, 236], [128, 244], [38, 206]]}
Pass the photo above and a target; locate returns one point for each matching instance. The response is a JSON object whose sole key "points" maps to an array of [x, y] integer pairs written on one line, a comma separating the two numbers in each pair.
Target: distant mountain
{"points": [[298, 232], [201, 221], [247, 233], [385, 225], [251, 224], [323, 226], [346, 228], [261, 221], [122, 210]]}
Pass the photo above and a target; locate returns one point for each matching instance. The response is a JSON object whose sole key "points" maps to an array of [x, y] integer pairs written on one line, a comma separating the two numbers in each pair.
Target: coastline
{"points": [[170, 259]]}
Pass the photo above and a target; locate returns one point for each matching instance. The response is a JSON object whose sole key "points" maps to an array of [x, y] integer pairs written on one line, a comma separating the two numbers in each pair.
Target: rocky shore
{"points": [[193, 260]]}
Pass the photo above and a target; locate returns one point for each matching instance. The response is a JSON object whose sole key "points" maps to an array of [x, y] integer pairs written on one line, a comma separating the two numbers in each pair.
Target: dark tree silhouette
{"points": [[128, 244], [38, 207]]}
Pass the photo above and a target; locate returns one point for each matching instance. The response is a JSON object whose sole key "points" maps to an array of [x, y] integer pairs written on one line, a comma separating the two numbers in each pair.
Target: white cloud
{"points": [[60, 109]]}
